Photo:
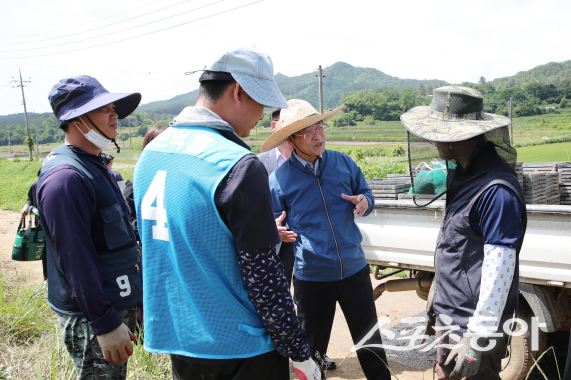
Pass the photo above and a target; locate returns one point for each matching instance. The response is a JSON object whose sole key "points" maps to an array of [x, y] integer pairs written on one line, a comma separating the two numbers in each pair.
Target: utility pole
{"points": [[320, 76], [37, 140], [129, 121], [9, 143], [511, 122], [21, 85]]}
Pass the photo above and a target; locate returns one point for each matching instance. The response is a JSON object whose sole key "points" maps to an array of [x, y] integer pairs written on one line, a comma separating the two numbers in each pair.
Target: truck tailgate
{"points": [[401, 235]]}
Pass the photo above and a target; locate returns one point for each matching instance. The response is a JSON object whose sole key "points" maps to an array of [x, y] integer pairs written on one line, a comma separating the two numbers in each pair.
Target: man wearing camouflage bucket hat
{"points": [[476, 266]]}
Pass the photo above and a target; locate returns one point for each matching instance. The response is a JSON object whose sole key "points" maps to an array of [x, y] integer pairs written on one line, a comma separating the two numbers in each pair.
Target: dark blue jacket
{"points": [[328, 245]]}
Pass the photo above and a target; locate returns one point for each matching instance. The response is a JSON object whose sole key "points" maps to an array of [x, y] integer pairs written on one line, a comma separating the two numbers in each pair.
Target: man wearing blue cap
{"points": [[94, 264], [216, 298]]}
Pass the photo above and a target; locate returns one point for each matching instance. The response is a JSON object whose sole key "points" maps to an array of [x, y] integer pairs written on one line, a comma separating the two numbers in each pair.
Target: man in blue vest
{"points": [[94, 264], [216, 298], [322, 191], [476, 285]]}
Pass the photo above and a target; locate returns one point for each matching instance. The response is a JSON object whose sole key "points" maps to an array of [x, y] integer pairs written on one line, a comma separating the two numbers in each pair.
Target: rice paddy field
{"points": [[379, 150]]}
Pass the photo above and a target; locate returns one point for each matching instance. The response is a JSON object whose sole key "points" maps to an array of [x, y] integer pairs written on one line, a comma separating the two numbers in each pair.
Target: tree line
{"points": [[363, 107], [14, 132], [370, 106]]}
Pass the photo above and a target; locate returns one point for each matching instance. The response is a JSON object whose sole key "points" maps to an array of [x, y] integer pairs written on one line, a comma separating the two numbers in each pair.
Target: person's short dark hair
{"points": [[275, 114], [214, 89], [152, 134], [106, 158]]}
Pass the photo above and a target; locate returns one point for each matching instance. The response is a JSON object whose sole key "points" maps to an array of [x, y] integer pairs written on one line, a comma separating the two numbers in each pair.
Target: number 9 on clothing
{"points": [[149, 212], [123, 282]]}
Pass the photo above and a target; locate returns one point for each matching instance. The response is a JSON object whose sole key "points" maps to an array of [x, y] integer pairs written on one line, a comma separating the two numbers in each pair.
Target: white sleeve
{"points": [[497, 276]]}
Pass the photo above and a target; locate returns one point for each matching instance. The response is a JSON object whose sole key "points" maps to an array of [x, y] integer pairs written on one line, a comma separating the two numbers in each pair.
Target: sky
{"points": [[450, 40]]}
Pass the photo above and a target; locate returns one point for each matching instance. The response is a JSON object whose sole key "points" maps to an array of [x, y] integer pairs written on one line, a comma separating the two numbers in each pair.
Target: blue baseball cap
{"points": [[254, 72], [76, 96]]}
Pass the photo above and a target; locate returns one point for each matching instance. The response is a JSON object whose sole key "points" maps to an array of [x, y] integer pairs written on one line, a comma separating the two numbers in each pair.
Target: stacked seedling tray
{"points": [[388, 189], [552, 196], [519, 172], [565, 186], [534, 187]]}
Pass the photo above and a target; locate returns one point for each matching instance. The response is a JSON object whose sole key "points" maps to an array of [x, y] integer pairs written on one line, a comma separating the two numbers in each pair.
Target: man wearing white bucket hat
{"points": [[321, 192], [217, 300]]}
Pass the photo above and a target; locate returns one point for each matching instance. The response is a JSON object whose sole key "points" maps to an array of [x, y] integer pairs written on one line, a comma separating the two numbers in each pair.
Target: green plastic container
{"points": [[30, 244]]}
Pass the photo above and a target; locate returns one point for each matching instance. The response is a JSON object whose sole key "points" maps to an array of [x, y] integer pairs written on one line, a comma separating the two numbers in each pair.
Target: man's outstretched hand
{"points": [[360, 201], [287, 236]]}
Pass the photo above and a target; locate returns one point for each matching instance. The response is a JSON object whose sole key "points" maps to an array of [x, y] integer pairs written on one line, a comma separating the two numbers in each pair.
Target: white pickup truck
{"points": [[400, 235]]}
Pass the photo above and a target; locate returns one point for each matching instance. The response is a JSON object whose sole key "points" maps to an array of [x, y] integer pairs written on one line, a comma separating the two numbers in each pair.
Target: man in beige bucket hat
{"points": [[322, 192]]}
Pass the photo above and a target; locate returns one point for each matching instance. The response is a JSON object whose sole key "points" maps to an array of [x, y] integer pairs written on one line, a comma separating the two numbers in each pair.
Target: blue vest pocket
{"points": [[114, 228], [256, 331], [123, 285]]}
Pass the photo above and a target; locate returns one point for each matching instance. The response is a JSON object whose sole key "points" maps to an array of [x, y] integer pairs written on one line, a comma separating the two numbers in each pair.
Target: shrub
{"points": [[399, 151]]}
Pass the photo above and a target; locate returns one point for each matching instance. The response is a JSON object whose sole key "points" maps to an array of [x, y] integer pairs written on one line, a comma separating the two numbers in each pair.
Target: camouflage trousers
{"points": [[84, 349]]}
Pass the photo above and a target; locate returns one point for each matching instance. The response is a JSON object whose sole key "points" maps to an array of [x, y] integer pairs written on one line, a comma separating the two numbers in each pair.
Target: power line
{"points": [[92, 69], [108, 34], [89, 30], [141, 35], [87, 23]]}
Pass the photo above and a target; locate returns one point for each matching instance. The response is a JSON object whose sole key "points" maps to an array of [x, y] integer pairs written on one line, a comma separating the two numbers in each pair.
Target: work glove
{"points": [[116, 345], [307, 370], [467, 359]]}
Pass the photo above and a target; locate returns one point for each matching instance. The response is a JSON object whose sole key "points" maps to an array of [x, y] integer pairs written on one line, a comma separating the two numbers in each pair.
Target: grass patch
{"points": [[22, 309], [31, 346], [17, 177], [126, 173], [545, 153], [15, 181]]}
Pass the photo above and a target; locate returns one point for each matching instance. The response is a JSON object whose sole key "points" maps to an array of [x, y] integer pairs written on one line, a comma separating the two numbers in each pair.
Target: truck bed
{"points": [[398, 234]]}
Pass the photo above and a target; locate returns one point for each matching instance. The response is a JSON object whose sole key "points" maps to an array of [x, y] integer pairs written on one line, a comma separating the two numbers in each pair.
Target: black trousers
{"points": [[268, 366], [287, 257], [316, 302]]}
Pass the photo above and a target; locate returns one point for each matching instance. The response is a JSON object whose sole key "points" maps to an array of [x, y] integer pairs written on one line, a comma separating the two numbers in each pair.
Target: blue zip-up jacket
{"points": [[328, 245]]}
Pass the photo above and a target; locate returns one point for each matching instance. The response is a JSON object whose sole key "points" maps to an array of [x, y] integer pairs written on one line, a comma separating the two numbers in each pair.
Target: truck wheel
{"points": [[423, 293], [518, 360]]}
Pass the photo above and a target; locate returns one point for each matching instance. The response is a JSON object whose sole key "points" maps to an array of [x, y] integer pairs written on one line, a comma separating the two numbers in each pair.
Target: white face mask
{"points": [[94, 137]]}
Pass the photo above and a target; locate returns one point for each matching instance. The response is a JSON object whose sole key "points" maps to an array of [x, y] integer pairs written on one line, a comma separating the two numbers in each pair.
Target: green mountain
{"points": [[550, 73], [171, 106], [342, 78], [339, 78]]}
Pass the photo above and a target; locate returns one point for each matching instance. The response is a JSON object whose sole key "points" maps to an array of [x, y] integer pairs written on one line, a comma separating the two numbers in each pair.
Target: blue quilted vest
{"points": [[113, 238], [460, 252], [196, 303]]}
